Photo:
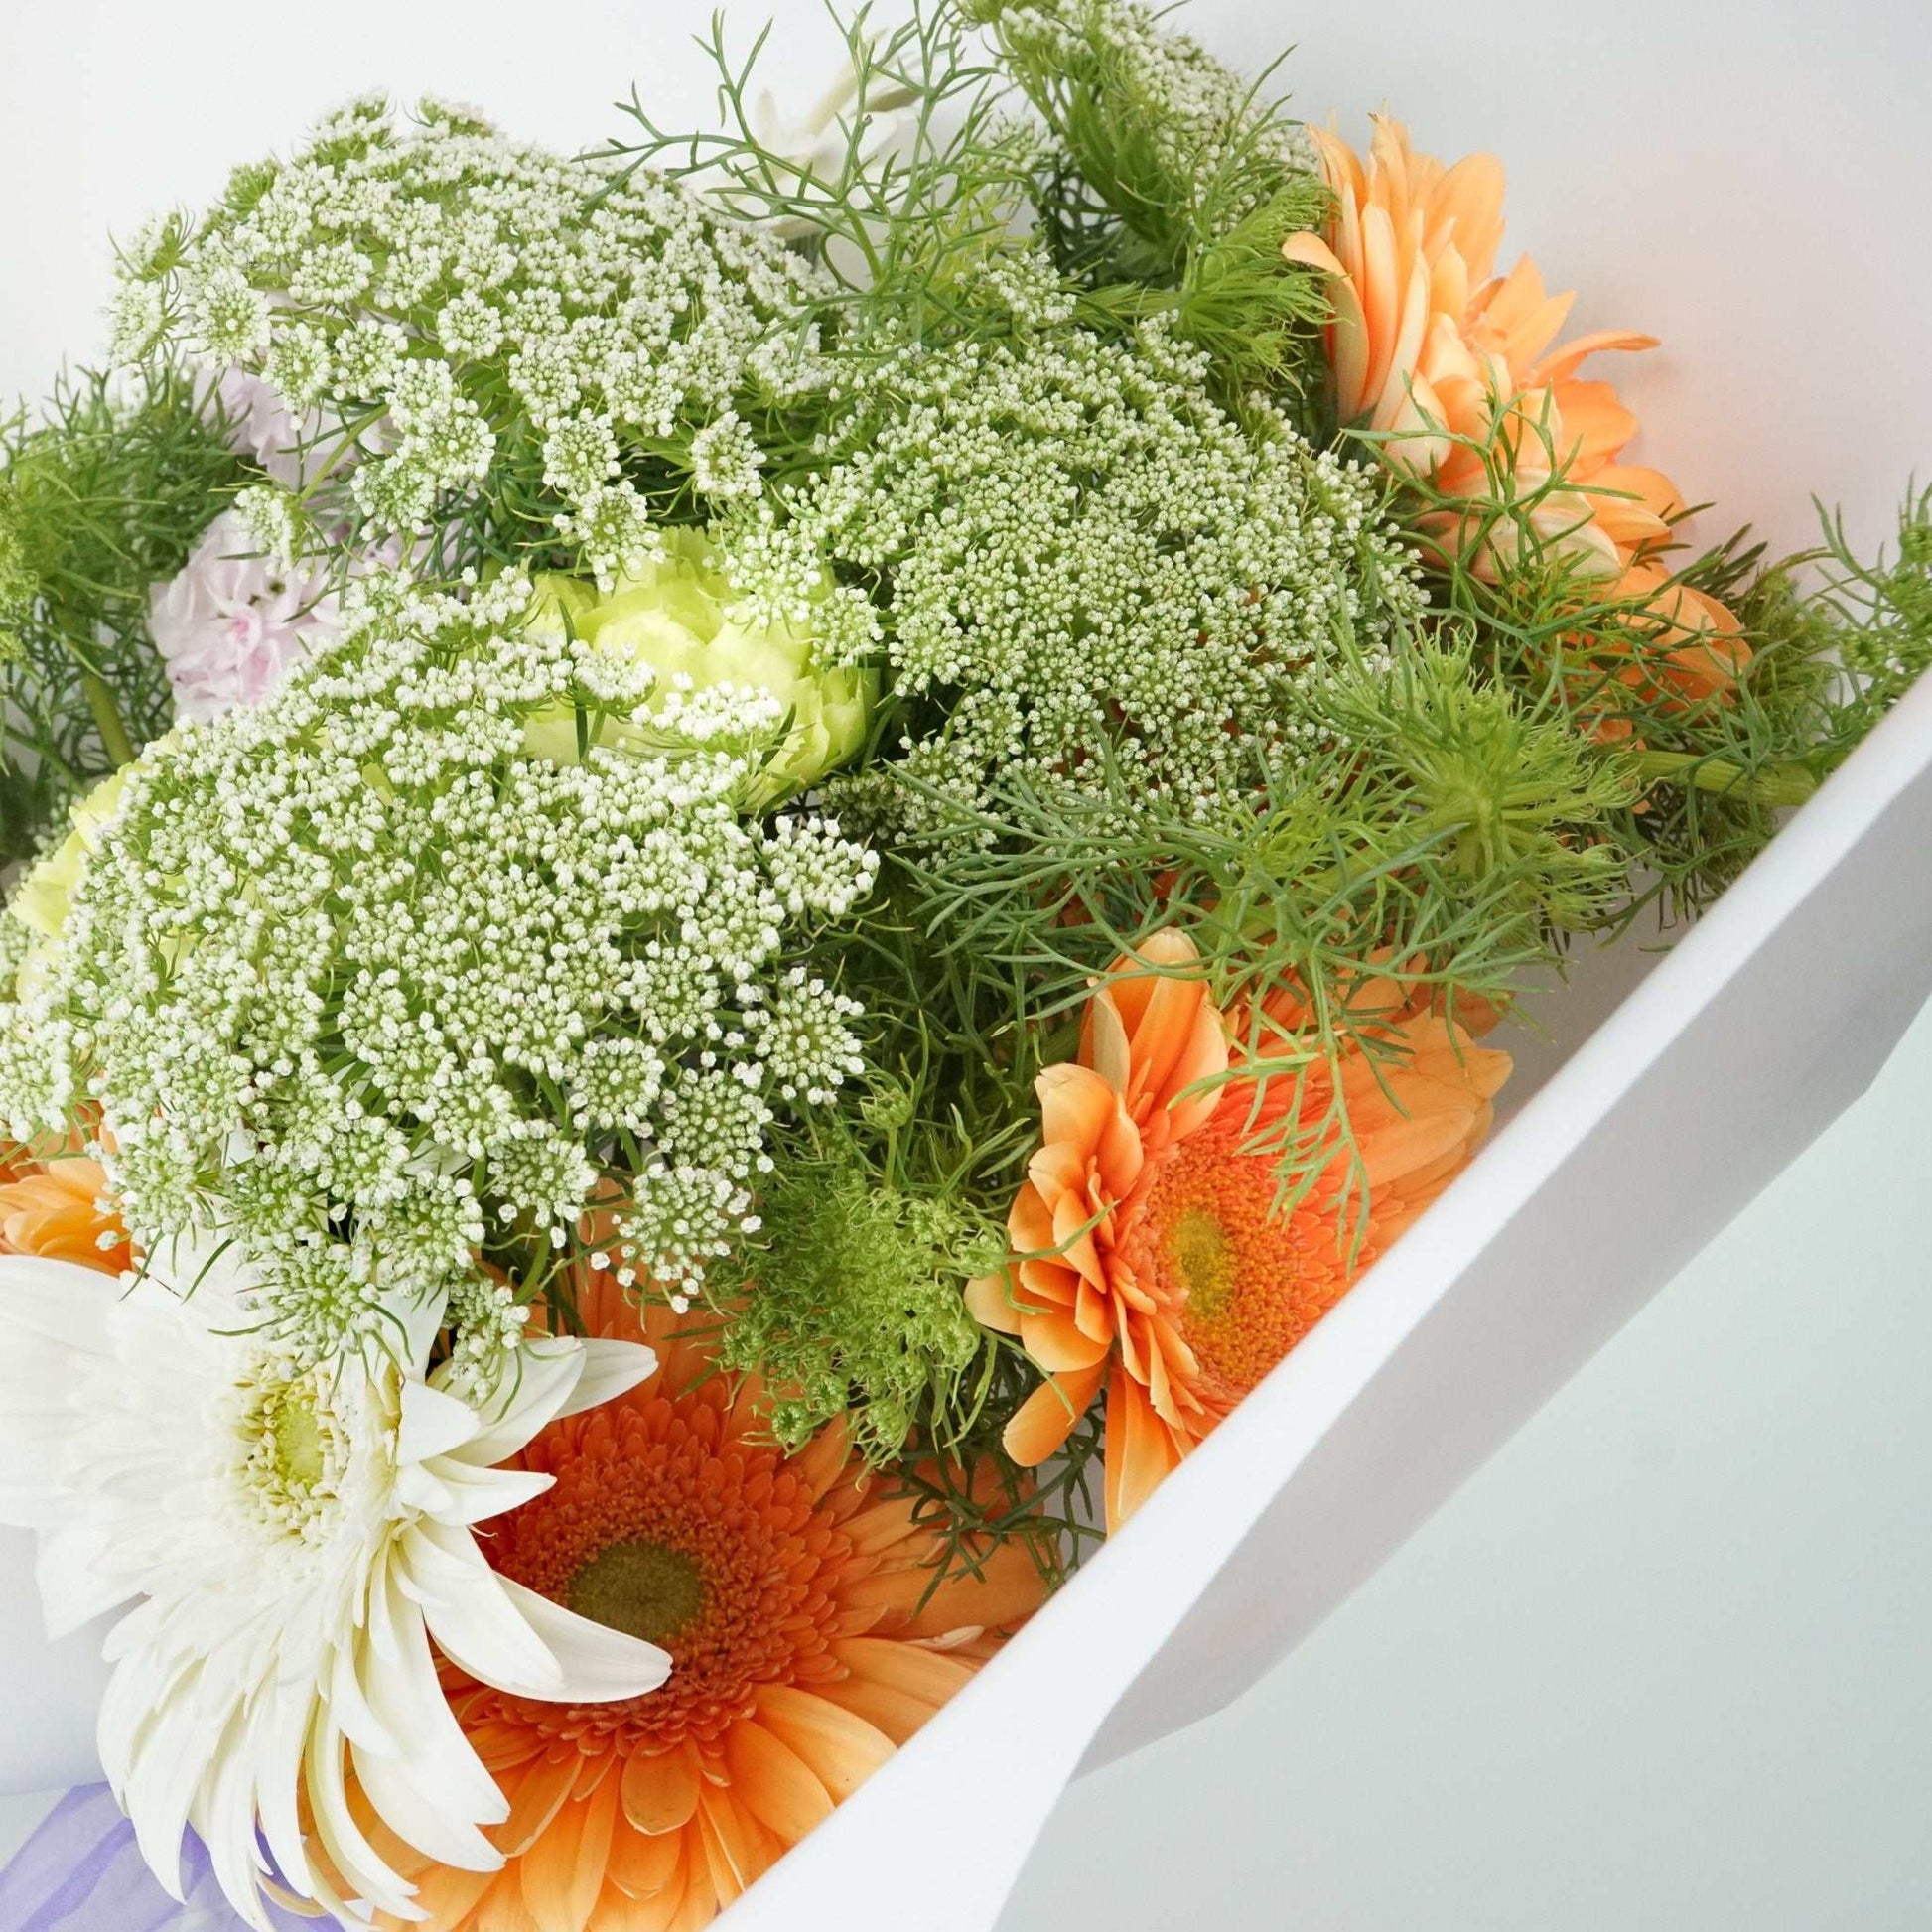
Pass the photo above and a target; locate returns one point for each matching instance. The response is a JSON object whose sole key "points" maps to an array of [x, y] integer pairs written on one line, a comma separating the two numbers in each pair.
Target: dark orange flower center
{"points": [[1250, 1280]]}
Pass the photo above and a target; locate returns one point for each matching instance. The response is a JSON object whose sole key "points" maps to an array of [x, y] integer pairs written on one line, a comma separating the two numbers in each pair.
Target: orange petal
{"points": [[1075, 1105], [822, 1462], [773, 1782], [449, 1895], [1204, 1057], [546, 1786], [748, 1849], [1056, 1342], [897, 1713], [563, 1871], [502, 1908], [661, 1792], [1141, 1449], [1596, 425], [620, 1912], [1004, 1592], [1045, 1419], [1468, 206], [1565, 362], [641, 1864], [1307, 250], [989, 1301], [1133, 980], [928, 1675], [840, 1748]]}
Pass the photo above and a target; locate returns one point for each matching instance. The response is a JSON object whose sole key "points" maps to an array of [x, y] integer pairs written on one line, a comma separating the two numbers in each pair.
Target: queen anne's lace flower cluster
{"points": [[1090, 569], [356, 973], [489, 322]]}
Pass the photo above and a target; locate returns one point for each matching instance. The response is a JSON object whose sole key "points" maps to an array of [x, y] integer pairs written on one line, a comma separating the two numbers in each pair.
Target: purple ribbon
{"points": [[81, 1871]]}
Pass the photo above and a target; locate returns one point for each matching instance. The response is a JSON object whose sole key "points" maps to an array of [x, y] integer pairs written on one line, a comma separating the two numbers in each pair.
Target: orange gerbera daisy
{"points": [[61, 1209], [1151, 1251], [1456, 364], [807, 1642]]}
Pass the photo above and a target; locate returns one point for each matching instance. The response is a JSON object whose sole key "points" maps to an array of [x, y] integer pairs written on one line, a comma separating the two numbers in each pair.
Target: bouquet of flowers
{"points": [[747, 865]]}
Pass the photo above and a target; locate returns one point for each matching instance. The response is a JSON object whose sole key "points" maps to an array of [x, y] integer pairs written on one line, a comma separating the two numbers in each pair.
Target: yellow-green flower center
{"points": [[1204, 1259], [642, 1588], [295, 1449], [1247, 1279]]}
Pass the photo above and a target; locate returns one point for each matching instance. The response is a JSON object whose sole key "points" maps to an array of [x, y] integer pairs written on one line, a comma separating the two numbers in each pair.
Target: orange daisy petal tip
{"points": [[61, 1209]]}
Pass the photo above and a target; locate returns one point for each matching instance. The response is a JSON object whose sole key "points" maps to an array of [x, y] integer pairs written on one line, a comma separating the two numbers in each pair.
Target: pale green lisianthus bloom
{"points": [[48, 889], [682, 617]]}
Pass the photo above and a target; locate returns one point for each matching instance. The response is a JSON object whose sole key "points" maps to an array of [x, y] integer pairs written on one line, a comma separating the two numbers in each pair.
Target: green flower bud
{"points": [[682, 618]]}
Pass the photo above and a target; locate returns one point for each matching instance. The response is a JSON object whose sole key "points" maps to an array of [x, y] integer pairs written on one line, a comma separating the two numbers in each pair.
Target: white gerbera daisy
{"points": [[296, 1539]]}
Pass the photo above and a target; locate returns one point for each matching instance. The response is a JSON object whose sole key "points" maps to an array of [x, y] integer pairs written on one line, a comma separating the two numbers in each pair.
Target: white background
{"points": [[1664, 1663]]}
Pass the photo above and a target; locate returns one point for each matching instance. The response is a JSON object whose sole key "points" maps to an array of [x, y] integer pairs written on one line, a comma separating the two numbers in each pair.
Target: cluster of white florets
{"points": [[1095, 577], [358, 977], [441, 296]]}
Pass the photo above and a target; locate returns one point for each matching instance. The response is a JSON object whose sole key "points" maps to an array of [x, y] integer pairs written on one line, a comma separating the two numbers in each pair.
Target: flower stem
{"points": [[107, 719], [1774, 785]]}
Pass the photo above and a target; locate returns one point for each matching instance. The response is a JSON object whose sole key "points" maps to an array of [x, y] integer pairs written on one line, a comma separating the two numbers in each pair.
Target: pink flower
{"points": [[261, 428], [231, 626]]}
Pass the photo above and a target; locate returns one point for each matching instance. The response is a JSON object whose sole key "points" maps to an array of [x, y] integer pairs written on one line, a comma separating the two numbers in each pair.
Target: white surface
{"points": [[1736, 1744], [1662, 1664]]}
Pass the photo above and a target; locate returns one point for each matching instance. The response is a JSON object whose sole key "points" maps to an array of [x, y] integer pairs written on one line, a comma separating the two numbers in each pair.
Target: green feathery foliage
{"points": [[1159, 183], [851, 1296], [101, 496], [1170, 187]]}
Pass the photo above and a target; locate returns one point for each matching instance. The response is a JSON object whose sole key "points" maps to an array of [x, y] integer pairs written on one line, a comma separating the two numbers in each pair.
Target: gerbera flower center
{"points": [[663, 1524], [645, 1589], [294, 1447], [1204, 1259], [1250, 1280]]}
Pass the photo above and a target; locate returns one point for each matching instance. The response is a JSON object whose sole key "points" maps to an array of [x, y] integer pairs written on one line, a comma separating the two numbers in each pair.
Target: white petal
{"points": [[420, 1320], [275, 1748], [350, 1708], [412, 1811], [58, 1301], [534, 1390], [225, 1820], [432, 1423], [599, 1664], [419, 1492], [474, 1495], [610, 1369], [171, 1757], [405, 1692], [341, 1838], [78, 1582], [471, 1617]]}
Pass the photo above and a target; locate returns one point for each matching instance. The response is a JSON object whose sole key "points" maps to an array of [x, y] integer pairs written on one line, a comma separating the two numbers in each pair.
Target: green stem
{"points": [[107, 719], [1774, 785]]}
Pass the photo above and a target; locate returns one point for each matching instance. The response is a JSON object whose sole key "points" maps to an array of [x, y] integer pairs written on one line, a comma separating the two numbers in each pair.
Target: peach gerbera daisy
{"points": [[61, 1209], [1151, 1253], [1456, 366], [794, 1594]]}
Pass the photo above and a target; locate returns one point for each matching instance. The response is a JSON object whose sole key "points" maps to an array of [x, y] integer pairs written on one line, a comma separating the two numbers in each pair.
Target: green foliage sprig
{"points": [[102, 495]]}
